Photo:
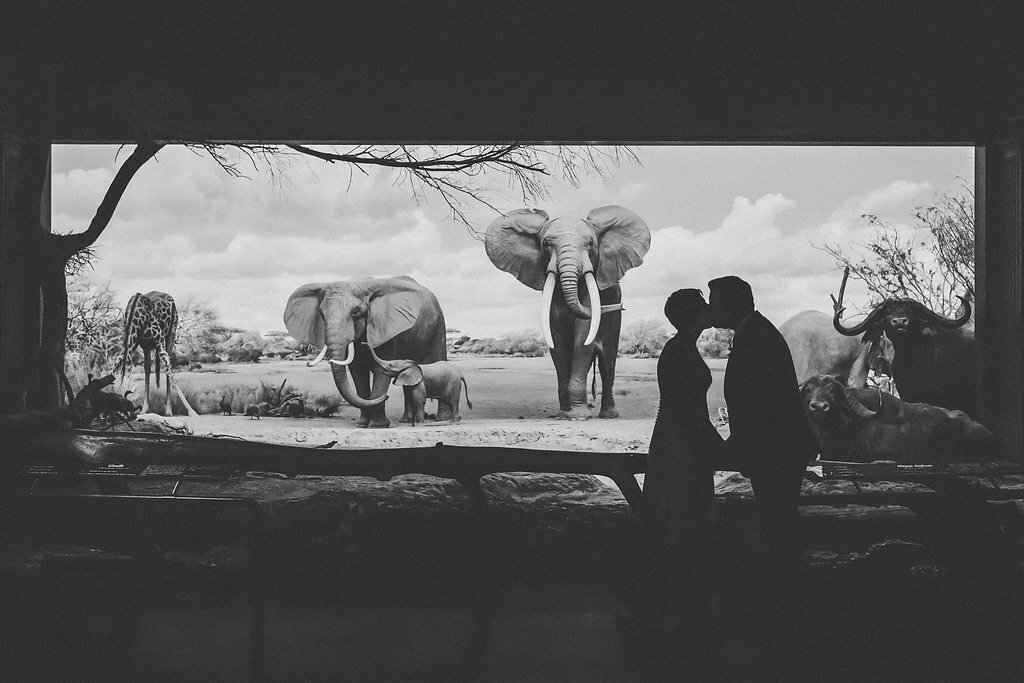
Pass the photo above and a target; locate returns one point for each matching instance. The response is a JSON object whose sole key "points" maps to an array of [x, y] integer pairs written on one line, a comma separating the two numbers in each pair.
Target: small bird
{"points": [[252, 411], [327, 411], [225, 406]]}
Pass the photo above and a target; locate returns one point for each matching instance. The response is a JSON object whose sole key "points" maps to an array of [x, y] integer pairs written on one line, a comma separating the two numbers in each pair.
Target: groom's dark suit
{"points": [[769, 433]]}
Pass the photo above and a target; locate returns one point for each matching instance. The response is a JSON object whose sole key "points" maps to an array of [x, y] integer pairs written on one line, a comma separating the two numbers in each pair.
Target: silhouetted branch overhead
{"points": [[70, 244]]}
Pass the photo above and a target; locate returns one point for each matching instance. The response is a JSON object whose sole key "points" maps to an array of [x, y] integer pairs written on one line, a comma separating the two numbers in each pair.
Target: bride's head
{"points": [[687, 310]]}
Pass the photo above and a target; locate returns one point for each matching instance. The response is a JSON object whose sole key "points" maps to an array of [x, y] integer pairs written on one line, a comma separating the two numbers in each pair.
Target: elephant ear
{"points": [[409, 377], [624, 239], [302, 315], [513, 245], [391, 313]]}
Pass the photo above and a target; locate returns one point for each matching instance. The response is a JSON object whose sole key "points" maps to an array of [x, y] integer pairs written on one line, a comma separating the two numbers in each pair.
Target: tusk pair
{"points": [[547, 296], [349, 357], [323, 352]]}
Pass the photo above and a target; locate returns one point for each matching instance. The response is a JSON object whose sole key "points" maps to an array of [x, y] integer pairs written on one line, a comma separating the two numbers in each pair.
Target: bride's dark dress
{"points": [[679, 485]]}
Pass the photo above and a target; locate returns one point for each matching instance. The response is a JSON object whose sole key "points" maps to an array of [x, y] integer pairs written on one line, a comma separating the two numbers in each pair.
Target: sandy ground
{"points": [[513, 401], [547, 433]]}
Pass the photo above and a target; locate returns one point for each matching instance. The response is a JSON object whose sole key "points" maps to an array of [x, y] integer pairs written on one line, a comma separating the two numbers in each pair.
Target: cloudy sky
{"points": [[242, 245]]}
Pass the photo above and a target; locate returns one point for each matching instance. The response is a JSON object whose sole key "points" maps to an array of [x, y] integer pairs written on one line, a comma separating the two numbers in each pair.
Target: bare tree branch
{"points": [[71, 244], [452, 172], [934, 270]]}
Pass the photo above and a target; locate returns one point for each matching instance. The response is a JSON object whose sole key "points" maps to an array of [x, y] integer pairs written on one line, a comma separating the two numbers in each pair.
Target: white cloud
{"points": [[243, 245], [895, 192]]}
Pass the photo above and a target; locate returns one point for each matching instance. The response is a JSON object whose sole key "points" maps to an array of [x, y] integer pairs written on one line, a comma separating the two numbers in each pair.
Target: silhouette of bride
{"points": [[673, 578]]}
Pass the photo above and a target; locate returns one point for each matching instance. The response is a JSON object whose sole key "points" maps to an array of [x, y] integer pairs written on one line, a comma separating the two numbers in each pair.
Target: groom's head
{"points": [[730, 300]]}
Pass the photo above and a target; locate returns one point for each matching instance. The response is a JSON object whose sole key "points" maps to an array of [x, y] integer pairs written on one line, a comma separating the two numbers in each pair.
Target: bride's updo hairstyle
{"points": [[684, 306]]}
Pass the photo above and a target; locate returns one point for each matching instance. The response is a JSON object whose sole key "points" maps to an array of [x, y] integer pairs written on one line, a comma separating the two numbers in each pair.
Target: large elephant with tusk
{"points": [[554, 255], [398, 316]]}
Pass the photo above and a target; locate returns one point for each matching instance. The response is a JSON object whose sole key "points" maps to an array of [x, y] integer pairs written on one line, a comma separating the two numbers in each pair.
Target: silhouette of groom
{"points": [[769, 434]]}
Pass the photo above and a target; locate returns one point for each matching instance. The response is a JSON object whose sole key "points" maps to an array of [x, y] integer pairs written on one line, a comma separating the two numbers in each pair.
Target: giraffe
{"points": [[151, 322]]}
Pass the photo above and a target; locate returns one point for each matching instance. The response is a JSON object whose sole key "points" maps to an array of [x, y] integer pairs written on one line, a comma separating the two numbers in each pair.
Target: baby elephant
{"points": [[440, 380]]}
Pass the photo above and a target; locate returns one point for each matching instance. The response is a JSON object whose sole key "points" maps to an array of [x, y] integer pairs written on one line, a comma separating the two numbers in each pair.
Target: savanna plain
{"points": [[514, 403]]}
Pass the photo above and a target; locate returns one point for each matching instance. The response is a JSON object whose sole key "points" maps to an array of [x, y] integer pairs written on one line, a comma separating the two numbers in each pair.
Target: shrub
{"points": [[93, 340], [714, 343], [642, 338], [205, 397], [519, 344], [241, 354]]}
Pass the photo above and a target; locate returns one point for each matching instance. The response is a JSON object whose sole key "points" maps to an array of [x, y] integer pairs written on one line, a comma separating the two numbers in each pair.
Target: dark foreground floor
{"points": [[427, 587]]}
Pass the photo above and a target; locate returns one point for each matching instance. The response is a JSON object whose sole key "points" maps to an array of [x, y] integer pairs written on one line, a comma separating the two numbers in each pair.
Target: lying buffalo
{"points": [[934, 357], [860, 424]]}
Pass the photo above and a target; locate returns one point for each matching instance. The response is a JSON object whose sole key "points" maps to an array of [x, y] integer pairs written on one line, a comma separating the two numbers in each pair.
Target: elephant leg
{"points": [[607, 352], [606, 366], [410, 406], [376, 417], [454, 396], [419, 401], [361, 380], [561, 356], [582, 361], [446, 410]]}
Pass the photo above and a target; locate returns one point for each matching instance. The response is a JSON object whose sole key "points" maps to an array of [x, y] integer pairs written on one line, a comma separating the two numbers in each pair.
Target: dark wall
{"points": [[796, 71]]}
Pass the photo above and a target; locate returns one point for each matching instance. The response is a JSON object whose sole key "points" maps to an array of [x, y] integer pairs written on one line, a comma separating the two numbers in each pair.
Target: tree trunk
{"points": [[24, 220]]}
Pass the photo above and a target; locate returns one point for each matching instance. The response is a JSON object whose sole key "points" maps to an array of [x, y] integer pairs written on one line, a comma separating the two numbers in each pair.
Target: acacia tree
{"points": [[199, 328], [94, 326], [455, 173], [932, 263]]}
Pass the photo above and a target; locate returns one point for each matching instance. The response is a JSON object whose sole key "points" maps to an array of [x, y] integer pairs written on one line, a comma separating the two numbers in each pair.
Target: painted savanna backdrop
{"points": [[231, 250]]}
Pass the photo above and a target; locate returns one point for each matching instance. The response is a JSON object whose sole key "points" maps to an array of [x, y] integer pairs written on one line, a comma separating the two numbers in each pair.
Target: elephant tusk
{"points": [[545, 309], [349, 358], [319, 357], [595, 307]]}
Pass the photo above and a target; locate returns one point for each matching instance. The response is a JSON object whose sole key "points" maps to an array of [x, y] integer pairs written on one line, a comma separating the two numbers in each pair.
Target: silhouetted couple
{"points": [[769, 439]]}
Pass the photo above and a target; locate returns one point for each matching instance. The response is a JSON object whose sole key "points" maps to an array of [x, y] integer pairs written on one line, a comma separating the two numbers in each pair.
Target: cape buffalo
{"points": [[861, 424], [818, 349], [934, 357]]}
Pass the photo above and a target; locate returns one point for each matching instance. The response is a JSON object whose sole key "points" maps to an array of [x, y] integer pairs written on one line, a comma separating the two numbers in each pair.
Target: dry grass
{"points": [[239, 385]]}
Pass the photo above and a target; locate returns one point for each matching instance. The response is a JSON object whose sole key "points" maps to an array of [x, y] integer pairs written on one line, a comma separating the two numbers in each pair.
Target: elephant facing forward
{"points": [[578, 325], [397, 316], [441, 380]]}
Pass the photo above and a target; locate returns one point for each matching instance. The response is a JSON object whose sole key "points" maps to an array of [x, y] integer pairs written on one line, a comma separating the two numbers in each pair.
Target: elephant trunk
{"points": [[348, 392], [568, 275], [339, 369], [391, 368]]}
